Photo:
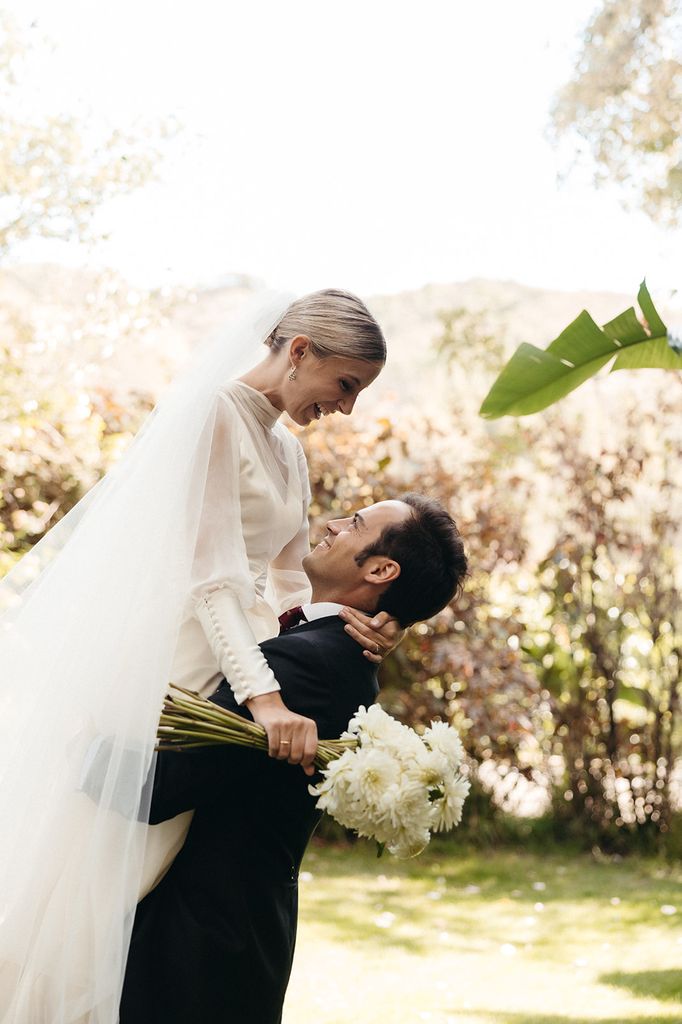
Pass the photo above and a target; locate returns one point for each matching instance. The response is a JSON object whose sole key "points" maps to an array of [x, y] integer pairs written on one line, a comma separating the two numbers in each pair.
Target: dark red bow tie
{"points": [[288, 620]]}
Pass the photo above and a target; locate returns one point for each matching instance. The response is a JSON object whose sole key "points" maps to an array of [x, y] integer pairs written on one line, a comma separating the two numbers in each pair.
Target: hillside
{"points": [[153, 335]]}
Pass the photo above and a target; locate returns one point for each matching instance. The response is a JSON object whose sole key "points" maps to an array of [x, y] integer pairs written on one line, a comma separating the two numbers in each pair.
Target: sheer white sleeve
{"points": [[287, 584], [222, 584], [234, 645], [220, 558]]}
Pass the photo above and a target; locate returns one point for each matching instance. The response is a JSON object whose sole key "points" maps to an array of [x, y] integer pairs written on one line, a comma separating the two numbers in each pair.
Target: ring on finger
{"points": [[284, 743]]}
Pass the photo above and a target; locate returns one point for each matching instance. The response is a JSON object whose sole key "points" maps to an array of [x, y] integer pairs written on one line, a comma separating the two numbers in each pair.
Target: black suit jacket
{"points": [[214, 941]]}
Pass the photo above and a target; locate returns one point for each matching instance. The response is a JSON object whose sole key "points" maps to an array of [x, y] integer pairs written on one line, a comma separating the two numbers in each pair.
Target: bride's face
{"points": [[323, 386]]}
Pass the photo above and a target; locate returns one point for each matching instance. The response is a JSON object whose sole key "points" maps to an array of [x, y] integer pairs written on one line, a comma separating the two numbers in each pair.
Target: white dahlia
{"points": [[429, 769], [374, 770], [442, 737], [447, 811], [409, 843]]}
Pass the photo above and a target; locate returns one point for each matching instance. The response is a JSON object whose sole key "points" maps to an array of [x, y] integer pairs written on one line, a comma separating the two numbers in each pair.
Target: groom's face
{"points": [[334, 558]]}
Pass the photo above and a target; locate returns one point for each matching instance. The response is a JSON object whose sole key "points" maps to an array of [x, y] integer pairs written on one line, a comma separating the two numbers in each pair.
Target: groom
{"points": [[214, 941]]}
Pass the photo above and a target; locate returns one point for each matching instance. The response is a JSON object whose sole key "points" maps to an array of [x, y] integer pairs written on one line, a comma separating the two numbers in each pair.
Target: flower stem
{"points": [[190, 721]]}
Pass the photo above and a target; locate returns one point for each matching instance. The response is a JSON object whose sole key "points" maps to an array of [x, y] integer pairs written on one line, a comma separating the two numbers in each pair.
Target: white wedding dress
{"points": [[274, 498], [172, 568]]}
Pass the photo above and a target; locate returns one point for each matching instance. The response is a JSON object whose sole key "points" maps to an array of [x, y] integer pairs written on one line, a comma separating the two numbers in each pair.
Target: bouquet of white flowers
{"points": [[394, 785], [381, 778]]}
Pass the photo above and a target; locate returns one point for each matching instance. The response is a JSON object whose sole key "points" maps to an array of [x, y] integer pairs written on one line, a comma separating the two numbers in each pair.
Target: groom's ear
{"points": [[380, 570]]}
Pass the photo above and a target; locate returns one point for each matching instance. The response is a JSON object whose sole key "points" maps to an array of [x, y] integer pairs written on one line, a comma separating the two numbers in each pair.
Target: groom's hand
{"points": [[291, 737]]}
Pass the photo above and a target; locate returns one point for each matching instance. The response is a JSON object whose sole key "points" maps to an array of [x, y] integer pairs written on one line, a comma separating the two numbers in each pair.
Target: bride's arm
{"points": [[234, 646], [291, 737], [222, 586]]}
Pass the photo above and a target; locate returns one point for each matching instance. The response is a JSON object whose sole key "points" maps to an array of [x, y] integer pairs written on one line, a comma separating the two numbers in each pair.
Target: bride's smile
{"points": [[307, 381], [321, 386]]}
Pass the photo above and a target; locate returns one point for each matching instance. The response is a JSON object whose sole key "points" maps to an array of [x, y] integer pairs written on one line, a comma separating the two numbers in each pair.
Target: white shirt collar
{"points": [[319, 609]]}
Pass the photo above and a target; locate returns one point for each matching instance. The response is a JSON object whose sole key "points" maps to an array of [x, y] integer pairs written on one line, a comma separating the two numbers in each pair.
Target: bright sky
{"points": [[375, 145]]}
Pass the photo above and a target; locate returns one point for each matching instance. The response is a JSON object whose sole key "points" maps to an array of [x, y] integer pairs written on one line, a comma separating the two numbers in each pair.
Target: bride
{"points": [[173, 567]]}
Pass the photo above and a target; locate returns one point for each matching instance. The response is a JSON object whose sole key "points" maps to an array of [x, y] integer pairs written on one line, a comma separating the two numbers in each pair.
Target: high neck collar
{"points": [[262, 408]]}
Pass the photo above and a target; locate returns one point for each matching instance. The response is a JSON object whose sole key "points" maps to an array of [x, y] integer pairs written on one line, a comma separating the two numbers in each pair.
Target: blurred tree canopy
{"points": [[55, 171], [624, 103], [468, 341]]}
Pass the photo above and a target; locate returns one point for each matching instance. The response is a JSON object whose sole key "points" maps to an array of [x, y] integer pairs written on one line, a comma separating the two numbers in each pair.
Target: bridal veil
{"points": [[88, 627]]}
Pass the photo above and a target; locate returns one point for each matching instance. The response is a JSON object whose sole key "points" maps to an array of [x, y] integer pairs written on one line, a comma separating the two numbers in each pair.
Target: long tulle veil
{"points": [[88, 626]]}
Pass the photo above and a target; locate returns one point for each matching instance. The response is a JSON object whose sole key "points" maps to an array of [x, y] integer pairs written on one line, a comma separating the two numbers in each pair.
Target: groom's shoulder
{"points": [[322, 644], [318, 638], [319, 662]]}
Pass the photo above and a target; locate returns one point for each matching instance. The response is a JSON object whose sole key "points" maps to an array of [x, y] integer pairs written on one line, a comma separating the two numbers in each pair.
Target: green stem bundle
{"points": [[189, 721]]}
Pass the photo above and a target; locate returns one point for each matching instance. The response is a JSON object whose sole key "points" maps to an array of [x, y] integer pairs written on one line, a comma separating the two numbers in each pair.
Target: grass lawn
{"points": [[483, 937]]}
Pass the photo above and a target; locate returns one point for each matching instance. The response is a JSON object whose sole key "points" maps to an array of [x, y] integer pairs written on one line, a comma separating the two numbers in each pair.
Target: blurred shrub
{"points": [[562, 673], [608, 645], [65, 414]]}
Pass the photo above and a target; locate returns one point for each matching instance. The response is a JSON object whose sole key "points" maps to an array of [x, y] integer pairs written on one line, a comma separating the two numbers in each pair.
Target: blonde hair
{"points": [[337, 323]]}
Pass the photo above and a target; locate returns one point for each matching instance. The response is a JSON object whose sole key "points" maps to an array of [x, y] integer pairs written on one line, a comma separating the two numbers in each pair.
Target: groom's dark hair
{"points": [[429, 550]]}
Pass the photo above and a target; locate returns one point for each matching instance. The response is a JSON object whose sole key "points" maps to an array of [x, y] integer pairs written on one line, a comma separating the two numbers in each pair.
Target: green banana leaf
{"points": [[535, 378]]}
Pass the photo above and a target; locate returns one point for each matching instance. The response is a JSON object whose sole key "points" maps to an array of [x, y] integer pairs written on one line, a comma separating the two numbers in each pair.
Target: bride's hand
{"points": [[379, 634], [291, 737]]}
